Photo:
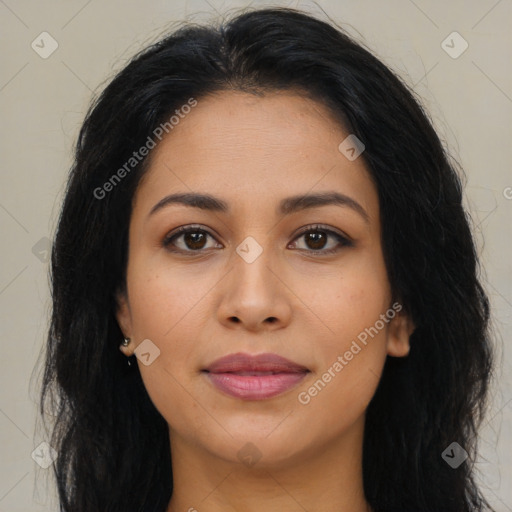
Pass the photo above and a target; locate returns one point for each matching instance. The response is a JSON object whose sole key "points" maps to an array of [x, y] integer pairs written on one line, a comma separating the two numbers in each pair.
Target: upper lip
{"points": [[267, 362]]}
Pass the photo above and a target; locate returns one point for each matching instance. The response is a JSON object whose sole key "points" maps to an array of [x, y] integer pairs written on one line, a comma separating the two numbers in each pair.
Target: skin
{"points": [[251, 152]]}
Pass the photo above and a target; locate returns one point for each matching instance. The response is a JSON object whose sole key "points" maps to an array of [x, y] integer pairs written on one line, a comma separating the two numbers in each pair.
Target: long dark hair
{"points": [[112, 443]]}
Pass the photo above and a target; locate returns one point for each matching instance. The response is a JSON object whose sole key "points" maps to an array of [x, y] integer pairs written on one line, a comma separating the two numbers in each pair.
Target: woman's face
{"points": [[246, 280]]}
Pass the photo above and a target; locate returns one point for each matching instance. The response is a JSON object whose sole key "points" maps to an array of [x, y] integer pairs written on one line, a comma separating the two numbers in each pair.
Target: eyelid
{"points": [[320, 227]]}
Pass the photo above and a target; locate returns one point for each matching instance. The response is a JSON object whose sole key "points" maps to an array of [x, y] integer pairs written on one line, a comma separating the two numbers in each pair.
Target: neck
{"points": [[320, 479]]}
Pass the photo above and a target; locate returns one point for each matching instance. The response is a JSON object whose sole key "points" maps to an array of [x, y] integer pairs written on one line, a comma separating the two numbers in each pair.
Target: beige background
{"points": [[43, 102]]}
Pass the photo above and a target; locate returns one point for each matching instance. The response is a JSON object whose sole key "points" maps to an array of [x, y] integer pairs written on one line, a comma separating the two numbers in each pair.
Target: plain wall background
{"points": [[43, 102]]}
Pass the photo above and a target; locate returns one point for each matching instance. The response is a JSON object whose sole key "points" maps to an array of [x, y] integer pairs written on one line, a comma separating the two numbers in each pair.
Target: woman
{"points": [[262, 222]]}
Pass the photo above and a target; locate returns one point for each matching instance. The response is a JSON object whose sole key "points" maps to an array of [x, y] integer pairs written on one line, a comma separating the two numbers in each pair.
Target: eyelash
{"points": [[343, 241]]}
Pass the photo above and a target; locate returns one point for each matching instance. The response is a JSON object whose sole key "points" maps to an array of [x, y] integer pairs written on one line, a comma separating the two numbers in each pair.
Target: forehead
{"points": [[275, 120], [250, 148]]}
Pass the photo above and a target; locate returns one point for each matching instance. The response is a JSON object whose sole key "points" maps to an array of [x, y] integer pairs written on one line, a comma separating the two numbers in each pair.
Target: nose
{"points": [[254, 297]]}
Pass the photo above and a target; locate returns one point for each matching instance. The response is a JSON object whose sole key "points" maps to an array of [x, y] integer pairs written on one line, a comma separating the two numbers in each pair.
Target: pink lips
{"points": [[254, 377]]}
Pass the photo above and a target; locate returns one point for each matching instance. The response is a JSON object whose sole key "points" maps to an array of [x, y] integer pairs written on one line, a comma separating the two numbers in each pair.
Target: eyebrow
{"points": [[286, 206]]}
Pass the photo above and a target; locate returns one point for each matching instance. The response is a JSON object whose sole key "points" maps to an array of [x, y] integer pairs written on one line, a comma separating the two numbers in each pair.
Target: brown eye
{"points": [[187, 239], [317, 239], [194, 240]]}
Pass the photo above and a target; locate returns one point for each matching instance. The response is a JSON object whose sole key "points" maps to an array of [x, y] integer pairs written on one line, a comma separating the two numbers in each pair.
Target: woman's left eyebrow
{"points": [[286, 206]]}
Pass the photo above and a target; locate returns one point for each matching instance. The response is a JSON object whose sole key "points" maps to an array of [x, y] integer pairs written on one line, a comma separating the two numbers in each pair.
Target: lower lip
{"points": [[255, 387]]}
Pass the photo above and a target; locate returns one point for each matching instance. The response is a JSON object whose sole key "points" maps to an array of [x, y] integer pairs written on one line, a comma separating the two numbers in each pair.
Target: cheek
{"points": [[353, 350], [352, 359], [165, 300], [166, 308], [350, 300]]}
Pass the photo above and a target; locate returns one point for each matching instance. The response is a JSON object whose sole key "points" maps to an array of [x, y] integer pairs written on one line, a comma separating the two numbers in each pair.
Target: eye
{"points": [[316, 238], [193, 239]]}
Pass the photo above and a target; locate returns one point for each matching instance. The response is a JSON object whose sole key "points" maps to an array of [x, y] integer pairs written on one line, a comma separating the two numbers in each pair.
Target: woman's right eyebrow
{"points": [[286, 206], [196, 200]]}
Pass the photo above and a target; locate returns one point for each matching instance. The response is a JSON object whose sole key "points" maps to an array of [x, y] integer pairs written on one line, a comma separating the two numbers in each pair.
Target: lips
{"points": [[256, 377], [271, 363]]}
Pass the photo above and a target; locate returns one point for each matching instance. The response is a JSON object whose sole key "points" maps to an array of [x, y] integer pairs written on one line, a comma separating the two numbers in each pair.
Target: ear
{"points": [[124, 319], [399, 331]]}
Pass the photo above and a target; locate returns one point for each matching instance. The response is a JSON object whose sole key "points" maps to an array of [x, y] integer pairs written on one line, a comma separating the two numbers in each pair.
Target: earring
{"points": [[125, 343]]}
